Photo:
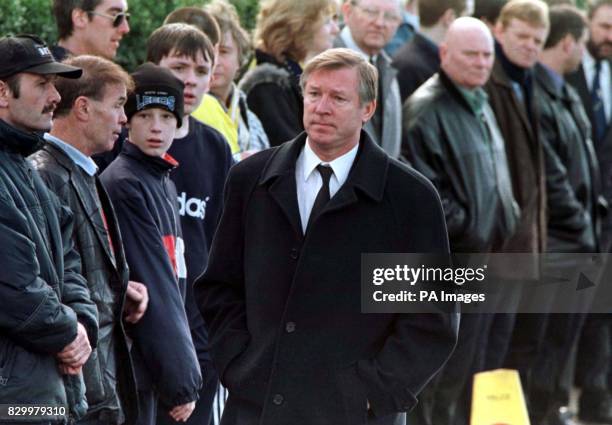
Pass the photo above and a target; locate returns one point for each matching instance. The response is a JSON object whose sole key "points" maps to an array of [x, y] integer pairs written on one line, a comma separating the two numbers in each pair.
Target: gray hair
{"points": [[345, 58]]}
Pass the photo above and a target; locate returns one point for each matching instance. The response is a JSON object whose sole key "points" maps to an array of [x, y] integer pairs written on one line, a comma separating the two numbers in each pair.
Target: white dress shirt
{"points": [[309, 180], [605, 80]]}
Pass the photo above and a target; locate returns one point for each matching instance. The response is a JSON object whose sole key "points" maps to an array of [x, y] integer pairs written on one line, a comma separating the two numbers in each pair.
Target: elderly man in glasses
{"points": [[370, 24], [93, 27]]}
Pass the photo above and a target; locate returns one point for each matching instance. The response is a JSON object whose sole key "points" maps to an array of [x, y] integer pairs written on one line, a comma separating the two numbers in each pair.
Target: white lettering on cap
{"points": [[144, 101], [43, 50]]}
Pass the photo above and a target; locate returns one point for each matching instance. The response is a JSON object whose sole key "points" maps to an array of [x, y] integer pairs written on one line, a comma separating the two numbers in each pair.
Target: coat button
{"points": [[278, 399], [294, 253], [290, 327]]}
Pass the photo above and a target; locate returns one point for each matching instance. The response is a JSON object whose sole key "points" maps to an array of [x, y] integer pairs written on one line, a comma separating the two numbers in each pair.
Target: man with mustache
{"points": [[593, 81], [48, 323], [87, 121], [468, 165]]}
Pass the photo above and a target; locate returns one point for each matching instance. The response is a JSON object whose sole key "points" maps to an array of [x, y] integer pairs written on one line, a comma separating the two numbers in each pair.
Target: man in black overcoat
{"points": [[281, 294]]}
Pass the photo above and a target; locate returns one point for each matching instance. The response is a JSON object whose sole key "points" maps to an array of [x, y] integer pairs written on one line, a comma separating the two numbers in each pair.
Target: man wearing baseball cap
{"points": [[48, 324]]}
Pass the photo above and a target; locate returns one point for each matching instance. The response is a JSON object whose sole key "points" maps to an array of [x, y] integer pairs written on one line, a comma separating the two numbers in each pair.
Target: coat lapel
{"points": [[279, 176], [86, 198]]}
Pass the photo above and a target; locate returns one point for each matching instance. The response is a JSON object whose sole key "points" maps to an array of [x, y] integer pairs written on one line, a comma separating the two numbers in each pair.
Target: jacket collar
{"points": [[158, 165], [368, 174], [16, 141], [450, 86], [546, 82], [514, 73]]}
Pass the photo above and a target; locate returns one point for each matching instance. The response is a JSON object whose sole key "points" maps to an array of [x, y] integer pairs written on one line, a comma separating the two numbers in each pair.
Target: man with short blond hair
{"points": [[520, 33]]}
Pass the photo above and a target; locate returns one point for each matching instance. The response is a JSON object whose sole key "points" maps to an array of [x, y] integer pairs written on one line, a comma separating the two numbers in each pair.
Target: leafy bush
{"points": [[35, 17]]}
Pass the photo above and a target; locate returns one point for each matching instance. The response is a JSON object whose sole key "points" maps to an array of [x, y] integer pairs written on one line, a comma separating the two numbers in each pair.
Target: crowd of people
{"points": [[191, 235]]}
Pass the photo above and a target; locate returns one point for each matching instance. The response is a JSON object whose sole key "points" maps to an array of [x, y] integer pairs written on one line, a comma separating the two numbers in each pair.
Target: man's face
{"points": [[152, 130], [33, 109], [227, 65], [468, 58], [108, 117], [372, 23], [600, 26], [333, 114], [521, 42], [100, 36], [195, 74]]}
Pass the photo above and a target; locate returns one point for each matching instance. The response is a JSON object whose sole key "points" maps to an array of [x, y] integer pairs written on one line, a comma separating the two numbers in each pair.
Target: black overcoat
{"points": [[283, 308]]}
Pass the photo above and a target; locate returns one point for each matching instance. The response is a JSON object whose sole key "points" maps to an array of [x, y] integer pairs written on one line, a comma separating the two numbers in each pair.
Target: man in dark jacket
{"points": [[87, 121], [419, 59], [48, 323], [452, 137], [574, 205], [281, 293], [139, 186], [593, 81], [520, 33]]}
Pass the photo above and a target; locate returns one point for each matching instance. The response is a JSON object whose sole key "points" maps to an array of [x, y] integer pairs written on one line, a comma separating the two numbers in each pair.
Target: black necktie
{"points": [[323, 196], [599, 114]]}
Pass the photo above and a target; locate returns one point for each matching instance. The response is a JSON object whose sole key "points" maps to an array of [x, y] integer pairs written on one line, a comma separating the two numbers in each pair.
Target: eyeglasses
{"points": [[372, 13], [117, 19]]}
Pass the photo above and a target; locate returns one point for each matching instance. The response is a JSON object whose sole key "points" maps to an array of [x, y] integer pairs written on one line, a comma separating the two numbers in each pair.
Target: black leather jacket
{"points": [[42, 294], [108, 373], [575, 206], [446, 141]]}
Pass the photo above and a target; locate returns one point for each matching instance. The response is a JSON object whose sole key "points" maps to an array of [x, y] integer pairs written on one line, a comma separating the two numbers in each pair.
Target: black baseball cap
{"points": [[28, 53], [155, 87]]}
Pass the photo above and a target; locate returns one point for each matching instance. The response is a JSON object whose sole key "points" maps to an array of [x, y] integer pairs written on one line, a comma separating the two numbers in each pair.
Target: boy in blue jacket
{"points": [[144, 197]]}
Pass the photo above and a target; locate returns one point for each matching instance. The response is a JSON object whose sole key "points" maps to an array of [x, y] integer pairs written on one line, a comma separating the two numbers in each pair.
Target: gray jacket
{"points": [[392, 107]]}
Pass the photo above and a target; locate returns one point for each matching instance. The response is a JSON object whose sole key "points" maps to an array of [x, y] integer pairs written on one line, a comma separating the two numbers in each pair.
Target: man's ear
{"points": [[347, 9], [82, 109], [567, 43], [5, 94], [80, 19], [368, 111]]}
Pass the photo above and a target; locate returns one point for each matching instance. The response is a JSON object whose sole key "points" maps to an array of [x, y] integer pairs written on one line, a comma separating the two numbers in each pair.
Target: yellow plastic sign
{"points": [[498, 399]]}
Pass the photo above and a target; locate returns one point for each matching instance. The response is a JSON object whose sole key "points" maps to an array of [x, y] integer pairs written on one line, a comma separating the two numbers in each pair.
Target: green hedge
{"points": [[34, 17]]}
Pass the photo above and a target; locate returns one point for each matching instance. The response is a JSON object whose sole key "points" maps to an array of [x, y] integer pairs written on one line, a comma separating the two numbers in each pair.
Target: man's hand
{"points": [[136, 301], [75, 354], [69, 370], [181, 413]]}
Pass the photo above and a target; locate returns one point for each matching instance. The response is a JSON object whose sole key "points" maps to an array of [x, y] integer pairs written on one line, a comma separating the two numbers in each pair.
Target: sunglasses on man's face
{"points": [[117, 19]]}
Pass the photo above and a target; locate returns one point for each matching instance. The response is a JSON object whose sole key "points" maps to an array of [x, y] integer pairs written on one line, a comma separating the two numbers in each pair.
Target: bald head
{"points": [[467, 52]]}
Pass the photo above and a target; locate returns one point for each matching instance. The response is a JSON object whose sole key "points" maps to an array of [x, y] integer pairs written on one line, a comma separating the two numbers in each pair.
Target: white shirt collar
{"points": [[341, 165], [83, 161]]}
